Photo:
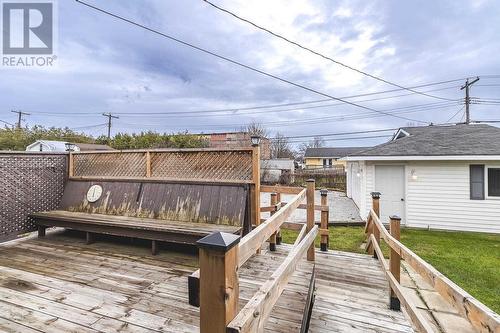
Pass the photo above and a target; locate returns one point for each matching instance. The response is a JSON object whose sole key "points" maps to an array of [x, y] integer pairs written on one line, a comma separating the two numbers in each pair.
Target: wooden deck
{"points": [[59, 284]]}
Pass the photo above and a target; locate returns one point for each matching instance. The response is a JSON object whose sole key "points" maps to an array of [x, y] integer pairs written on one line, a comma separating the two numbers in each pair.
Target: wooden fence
{"points": [[334, 178], [29, 182], [219, 264], [209, 165], [480, 316]]}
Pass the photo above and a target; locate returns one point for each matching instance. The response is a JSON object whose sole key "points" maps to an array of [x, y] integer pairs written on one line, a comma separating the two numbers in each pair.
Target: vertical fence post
{"points": [[278, 234], [256, 184], [148, 164], [395, 260], [376, 209], [272, 239], [310, 214], [71, 165], [219, 286], [324, 221]]}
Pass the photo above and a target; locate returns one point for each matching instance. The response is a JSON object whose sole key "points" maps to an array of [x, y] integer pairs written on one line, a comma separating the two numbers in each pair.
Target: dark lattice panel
{"points": [[110, 164], [29, 183], [216, 165]]}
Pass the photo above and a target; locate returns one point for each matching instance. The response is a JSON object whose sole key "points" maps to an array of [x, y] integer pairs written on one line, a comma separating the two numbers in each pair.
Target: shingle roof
{"points": [[333, 152], [477, 139]]}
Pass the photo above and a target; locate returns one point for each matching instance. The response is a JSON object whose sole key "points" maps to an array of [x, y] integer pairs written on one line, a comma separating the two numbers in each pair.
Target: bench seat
{"points": [[136, 227]]}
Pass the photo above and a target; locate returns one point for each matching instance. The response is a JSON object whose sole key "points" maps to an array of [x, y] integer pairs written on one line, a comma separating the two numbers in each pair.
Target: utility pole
{"points": [[109, 115], [466, 86], [20, 116]]}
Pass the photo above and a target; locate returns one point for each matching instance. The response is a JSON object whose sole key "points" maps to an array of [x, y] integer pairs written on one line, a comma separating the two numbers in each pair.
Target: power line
{"points": [[467, 86], [298, 85], [320, 54], [20, 115], [6, 122], [195, 113], [460, 110], [334, 134]]}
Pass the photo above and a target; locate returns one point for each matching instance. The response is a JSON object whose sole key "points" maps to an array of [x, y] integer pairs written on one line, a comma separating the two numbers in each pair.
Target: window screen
{"points": [[494, 182], [477, 182]]}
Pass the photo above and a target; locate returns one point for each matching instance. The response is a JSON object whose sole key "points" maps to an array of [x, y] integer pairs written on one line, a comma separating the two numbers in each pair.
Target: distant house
{"points": [[236, 140], [316, 158], [442, 177], [60, 146], [280, 170]]}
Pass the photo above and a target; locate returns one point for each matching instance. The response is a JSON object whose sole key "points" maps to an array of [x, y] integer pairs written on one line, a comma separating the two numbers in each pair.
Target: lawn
{"points": [[471, 260]]}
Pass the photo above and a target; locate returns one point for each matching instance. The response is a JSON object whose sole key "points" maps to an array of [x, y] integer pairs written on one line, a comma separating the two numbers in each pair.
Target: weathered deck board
{"points": [[59, 284], [352, 296]]}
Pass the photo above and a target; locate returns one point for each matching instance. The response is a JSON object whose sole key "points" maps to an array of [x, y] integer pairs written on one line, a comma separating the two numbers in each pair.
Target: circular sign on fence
{"points": [[94, 193]]}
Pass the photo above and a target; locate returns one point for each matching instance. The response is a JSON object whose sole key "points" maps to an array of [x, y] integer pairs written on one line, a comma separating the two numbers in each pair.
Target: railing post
{"points": [[272, 240], [376, 209], [71, 165], [395, 260], [310, 214], [278, 234], [324, 221], [219, 286]]}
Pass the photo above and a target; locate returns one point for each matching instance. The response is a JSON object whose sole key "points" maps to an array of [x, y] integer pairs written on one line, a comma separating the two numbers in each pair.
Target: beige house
{"points": [[323, 158]]}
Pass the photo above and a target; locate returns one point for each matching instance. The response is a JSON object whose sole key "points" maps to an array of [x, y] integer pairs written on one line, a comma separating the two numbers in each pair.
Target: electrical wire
{"points": [[320, 54], [298, 85], [6, 122], [460, 110]]}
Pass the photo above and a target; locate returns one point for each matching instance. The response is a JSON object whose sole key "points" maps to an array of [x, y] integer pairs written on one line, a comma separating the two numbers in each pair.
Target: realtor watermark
{"points": [[28, 33]]}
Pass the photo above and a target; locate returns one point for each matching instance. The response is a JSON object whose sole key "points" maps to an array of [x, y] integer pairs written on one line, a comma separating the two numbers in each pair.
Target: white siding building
{"points": [[437, 177]]}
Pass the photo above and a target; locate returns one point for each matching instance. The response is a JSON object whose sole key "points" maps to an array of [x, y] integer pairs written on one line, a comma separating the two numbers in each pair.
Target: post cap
{"points": [[323, 191], [219, 241], [375, 195], [274, 194], [310, 180], [395, 217]]}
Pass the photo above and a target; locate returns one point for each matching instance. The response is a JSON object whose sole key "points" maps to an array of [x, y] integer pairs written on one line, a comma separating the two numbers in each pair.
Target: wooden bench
{"points": [[178, 212]]}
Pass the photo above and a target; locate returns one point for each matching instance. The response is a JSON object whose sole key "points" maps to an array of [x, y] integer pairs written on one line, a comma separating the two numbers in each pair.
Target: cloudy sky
{"points": [[152, 83]]}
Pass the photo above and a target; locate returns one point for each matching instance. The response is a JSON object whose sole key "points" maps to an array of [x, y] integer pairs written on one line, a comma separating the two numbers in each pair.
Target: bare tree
{"points": [[281, 148], [316, 142], [255, 128]]}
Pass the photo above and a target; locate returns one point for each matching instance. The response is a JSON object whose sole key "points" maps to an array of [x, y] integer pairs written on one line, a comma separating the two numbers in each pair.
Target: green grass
{"points": [[471, 260]]}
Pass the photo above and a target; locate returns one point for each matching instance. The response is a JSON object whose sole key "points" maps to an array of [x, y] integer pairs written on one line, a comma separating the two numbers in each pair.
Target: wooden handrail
{"points": [[280, 189], [255, 313], [253, 240], [480, 316], [161, 150], [416, 317]]}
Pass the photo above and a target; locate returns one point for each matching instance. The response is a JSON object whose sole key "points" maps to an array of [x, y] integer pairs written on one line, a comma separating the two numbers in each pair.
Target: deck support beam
{"points": [[89, 238], [41, 231]]}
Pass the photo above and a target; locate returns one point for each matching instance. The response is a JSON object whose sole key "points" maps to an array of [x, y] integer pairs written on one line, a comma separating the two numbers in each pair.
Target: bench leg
{"points": [[41, 231], [90, 238], [154, 247]]}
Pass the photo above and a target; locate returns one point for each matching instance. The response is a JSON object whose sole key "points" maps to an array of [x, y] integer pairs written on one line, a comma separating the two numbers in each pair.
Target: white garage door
{"points": [[390, 182]]}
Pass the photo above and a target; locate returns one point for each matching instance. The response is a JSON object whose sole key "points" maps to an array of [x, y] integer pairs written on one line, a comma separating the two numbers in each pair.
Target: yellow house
{"points": [[323, 158]]}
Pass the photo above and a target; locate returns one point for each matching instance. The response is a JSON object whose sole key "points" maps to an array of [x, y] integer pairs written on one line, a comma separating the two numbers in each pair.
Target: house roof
{"points": [[452, 140], [92, 146], [55, 145], [333, 152]]}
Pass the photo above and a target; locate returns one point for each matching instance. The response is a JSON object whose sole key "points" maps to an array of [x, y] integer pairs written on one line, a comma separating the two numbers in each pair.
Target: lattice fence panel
{"points": [[216, 165], [29, 183], [131, 164]]}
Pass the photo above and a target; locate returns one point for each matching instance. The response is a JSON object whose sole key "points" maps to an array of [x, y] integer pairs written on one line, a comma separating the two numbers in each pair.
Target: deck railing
{"points": [[215, 287], [480, 316]]}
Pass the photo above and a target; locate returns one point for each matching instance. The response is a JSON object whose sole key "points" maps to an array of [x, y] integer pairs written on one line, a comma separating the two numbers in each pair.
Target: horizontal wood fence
{"points": [[29, 182], [334, 178], [480, 316], [219, 264]]}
